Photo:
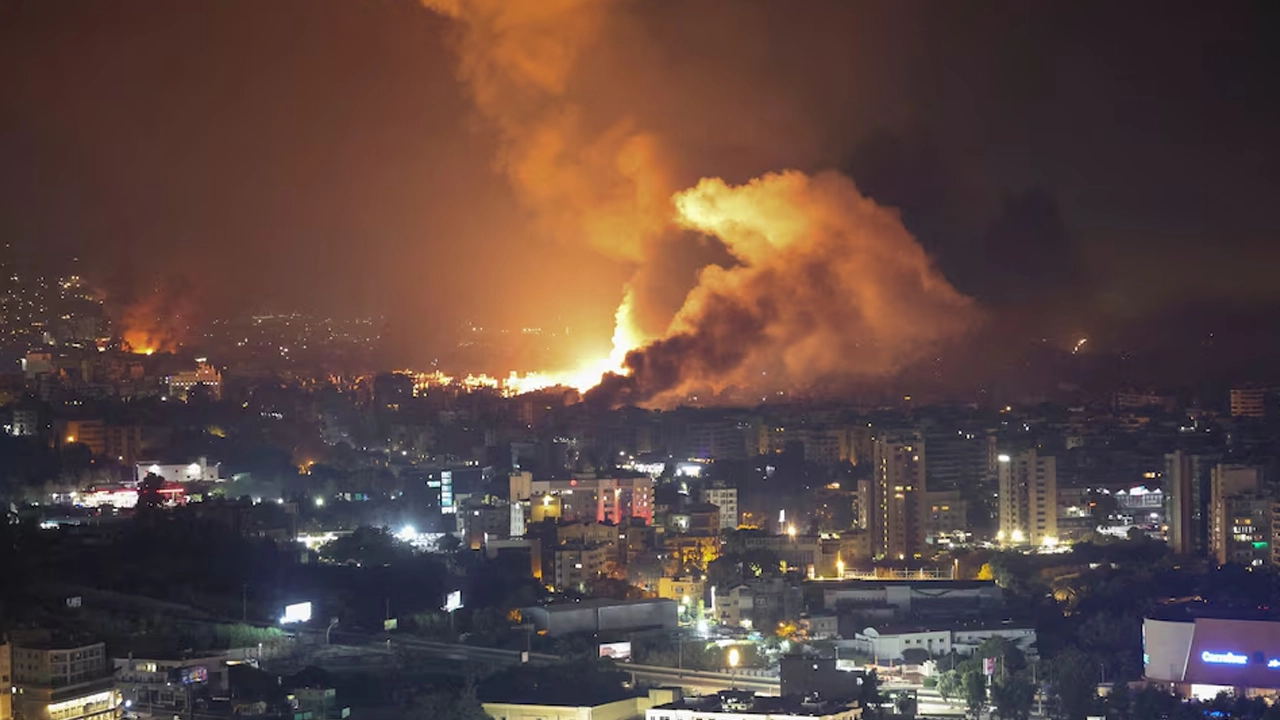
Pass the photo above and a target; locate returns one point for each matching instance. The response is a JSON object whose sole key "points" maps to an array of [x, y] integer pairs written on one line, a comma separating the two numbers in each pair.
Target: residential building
{"points": [[1028, 490], [1187, 484], [123, 443], [1235, 507], [1249, 402], [944, 516], [899, 474], [760, 603], [726, 499], [576, 565], [90, 433], [6, 681]]}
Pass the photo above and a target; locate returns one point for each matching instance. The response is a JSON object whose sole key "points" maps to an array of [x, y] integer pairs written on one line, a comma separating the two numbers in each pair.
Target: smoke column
{"points": [[827, 285]]}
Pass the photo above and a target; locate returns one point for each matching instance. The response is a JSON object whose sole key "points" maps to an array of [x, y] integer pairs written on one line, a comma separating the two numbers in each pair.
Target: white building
{"points": [[888, 643], [199, 471], [725, 498]]}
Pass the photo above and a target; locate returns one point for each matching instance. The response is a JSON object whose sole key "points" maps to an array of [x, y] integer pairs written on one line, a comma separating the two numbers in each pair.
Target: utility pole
{"points": [[244, 603]]}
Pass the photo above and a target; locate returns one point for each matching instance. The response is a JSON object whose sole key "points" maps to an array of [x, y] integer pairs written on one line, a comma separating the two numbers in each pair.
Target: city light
{"points": [[319, 502]]}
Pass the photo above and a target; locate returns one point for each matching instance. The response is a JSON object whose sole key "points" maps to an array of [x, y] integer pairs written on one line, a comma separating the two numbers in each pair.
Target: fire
{"points": [[151, 324]]}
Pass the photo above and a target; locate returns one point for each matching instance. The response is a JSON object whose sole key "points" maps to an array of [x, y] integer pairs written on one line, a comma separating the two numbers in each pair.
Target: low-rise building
{"points": [[744, 705], [554, 704], [889, 643], [600, 614]]}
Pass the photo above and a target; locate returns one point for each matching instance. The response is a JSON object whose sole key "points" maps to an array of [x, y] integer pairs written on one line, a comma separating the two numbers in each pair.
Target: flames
{"points": [[823, 284], [152, 324]]}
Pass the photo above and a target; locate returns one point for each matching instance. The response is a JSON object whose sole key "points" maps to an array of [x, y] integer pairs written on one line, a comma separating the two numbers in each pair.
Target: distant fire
{"points": [[825, 286], [152, 324]]}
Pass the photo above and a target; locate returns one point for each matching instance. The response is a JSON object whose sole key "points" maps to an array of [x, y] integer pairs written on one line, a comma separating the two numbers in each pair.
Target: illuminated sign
{"points": [[1226, 658], [1274, 663], [296, 613], [453, 601]]}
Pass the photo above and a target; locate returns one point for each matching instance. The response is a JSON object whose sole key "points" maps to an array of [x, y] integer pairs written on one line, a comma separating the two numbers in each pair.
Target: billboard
{"points": [[453, 601], [195, 675], [296, 613], [619, 651]]}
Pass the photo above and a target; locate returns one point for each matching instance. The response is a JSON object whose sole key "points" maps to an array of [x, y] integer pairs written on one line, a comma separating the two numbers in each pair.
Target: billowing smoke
{"points": [[823, 284], [828, 286], [606, 186]]}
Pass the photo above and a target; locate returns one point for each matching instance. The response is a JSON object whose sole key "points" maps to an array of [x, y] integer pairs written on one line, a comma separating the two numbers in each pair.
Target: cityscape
{"points": [[590, 360]]}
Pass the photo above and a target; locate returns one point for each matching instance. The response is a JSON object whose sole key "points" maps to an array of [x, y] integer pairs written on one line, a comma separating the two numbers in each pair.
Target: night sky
{"points": [[1083, 167]]}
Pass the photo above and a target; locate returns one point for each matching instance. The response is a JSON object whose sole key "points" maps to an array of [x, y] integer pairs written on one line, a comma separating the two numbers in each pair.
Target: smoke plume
{"points": [[157, 322], [829, 286], [822, 283]]}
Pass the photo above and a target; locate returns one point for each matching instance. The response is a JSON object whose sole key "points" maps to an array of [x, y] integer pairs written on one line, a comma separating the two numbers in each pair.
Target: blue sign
{"points": [[1226, 658]]}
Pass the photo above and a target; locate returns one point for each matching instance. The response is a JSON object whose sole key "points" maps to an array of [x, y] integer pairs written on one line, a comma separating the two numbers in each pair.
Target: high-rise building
{"points": [[1028, 493], [1237, 510], [1187, 498], [897, 530], [1249, 402], [6, 680]]}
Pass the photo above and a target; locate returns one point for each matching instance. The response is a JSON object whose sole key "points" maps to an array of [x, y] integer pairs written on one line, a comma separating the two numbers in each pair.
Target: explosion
{"points": [[823, 285]]}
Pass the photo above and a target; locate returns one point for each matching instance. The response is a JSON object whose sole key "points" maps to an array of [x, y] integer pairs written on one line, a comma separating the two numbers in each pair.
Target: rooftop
{"points": [[746, 702], [596, 603]]}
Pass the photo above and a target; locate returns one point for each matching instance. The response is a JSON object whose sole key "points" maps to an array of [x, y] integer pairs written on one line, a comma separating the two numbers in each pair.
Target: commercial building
{"points": [[1028, 490], [198, 471], [554, 704], [889, 643], [931, 600], [602, 615], [897, 531], [744, 705], [1197, 653], [53, 681]]}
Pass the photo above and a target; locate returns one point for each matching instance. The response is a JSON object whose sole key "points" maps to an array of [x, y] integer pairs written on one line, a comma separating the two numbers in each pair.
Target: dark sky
{"points": [[1098, 162]]}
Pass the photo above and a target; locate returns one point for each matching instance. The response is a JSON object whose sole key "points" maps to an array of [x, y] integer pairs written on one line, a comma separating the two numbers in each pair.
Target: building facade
{"points": [[1028, 489]]}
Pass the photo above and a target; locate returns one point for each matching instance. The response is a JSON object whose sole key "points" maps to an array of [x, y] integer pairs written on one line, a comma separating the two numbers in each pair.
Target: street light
{"points": [[733, 668]]}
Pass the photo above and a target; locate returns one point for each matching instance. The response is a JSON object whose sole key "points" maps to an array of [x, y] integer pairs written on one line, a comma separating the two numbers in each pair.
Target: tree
{"points": [[1013, 697], [444, 705], [149, 491], [949, 684], [1073, 684], [974, 685], [1119, 702]]}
